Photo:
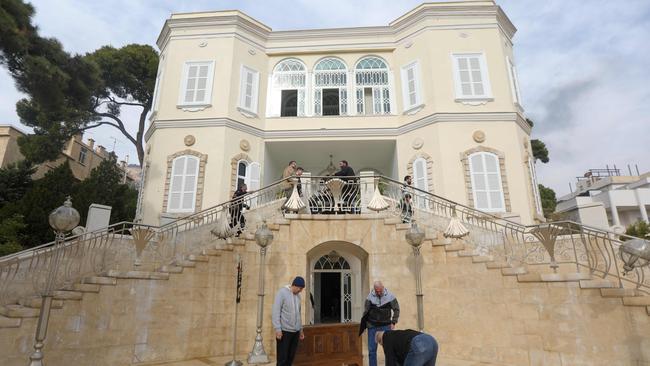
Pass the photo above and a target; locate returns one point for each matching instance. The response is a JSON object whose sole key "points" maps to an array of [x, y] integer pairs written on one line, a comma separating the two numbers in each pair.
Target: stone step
{"points": [[18, 311], [456, 247], [553, 277], [617, 292], [273, 227], [402, 226], [497, 265], [482, 259], [248, 236], [597, 283], [514, 271], [198, 258], [171, 269], [6, 322], [392, 221], [467, 253], [35, 302], [223, 247], [100, 280], [84, 287], [636, 300], [211, 252], [185, 264], [236, 241], [647, 309], [282, 221], [436, 242], [68, 295], [137, 275]]}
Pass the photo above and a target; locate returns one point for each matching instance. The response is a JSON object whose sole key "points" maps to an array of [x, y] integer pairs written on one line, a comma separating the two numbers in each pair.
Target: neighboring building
{"points": [[605, 199], [433, 94], [83, 157]]}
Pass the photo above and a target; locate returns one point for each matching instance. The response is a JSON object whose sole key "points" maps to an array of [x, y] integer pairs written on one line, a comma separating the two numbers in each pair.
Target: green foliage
{"points": [[549, 201], [67, 93], [640, 229], [10, 229], [540, 152], [104, 186], [15, 180]]}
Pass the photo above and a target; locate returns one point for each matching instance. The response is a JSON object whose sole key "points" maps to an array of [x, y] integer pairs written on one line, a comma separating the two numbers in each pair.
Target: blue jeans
{"points": [[372, 345], [424, 350]]}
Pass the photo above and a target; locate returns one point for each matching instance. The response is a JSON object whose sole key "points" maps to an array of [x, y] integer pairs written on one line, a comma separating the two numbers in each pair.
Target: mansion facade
{"points": [[434, 94]]}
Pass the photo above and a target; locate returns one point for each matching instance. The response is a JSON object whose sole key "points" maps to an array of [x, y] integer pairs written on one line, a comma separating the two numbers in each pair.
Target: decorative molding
{"points": [[246, 113], [479, 136], [189, 140], [251, 51], [429, 160], [203, 44], [474, 102], [464, 158], [408, 44], [414, 110], [203, 159], [194, 108], [417, 143], [233, 169], [478, 117], [244, 145]]}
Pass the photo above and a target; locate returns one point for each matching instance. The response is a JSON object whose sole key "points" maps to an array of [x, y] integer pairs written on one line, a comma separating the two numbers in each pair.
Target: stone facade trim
{"points": [[464, 158], [203, 159], [429, 160]]}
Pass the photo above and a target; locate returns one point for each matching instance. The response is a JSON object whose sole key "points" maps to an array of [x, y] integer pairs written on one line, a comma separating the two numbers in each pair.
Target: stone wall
{"points": [[477, 314]]}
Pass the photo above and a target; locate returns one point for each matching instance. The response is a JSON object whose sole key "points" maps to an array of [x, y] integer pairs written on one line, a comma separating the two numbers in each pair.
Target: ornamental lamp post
{"points": [[415, 236], [62, 220], [635, 253], [263, 238]]}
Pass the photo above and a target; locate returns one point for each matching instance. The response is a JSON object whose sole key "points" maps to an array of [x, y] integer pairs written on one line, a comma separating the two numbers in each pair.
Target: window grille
{"points": [[330, 73], [372, 73], [290, 74]]}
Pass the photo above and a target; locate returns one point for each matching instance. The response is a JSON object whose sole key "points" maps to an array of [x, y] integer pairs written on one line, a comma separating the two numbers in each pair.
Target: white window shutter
{"points": [[256, 89], [420, 174], [273, 99], [486, 182], [182, 189], [253, 176]]}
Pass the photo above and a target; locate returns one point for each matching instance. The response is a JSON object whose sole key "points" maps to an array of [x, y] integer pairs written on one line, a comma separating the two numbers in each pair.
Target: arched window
{"points": [[487, 187], [288, 89], [372, 82], [420, 174], [330, 88], [242, 169], [182, 191], [331, 261]]}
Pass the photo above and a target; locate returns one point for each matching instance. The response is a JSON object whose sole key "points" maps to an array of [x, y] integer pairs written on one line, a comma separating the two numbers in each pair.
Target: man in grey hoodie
{"points": [[381, 314], [287, 321]]}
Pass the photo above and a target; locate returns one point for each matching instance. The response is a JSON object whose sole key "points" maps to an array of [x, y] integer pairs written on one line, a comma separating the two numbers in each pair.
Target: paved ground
{"points": [[220, 361]]}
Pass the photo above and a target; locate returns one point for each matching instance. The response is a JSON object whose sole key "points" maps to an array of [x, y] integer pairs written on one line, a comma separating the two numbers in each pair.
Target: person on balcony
{"points": [[299, 171], [287, 321], [286, 184], [408, 348], [346, 173], [381, 314], [237, 205]]}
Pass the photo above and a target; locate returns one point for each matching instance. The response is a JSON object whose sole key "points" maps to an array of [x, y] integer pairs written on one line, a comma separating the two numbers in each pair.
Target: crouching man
{"points": [[408, 348]]}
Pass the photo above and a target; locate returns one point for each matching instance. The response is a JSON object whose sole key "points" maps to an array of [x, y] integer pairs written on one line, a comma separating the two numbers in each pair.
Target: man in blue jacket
{"points": [[381, 314]]}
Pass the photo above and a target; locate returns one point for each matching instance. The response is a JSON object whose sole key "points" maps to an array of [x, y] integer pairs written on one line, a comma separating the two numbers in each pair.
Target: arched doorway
{"points": [[338, 279]]}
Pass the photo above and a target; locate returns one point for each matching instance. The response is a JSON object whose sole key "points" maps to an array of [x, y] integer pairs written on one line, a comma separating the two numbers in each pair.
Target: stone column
{"points": [[367, 189], [613, 209], [642, 209], [307, 190]]}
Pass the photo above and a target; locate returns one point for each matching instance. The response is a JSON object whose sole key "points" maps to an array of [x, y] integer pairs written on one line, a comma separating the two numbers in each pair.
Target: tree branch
{"points": [[126, 103]]}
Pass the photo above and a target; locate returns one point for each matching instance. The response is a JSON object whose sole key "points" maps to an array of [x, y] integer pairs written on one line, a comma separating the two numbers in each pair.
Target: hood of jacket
{"points": [[384, 299]]}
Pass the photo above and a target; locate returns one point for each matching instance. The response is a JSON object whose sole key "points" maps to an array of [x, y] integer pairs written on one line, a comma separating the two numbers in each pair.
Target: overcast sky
{"points": [[583, 65]]}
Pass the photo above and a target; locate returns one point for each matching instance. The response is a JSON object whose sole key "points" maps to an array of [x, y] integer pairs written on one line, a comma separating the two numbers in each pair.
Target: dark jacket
{"points": [[345, 172], [397, 344], [379, 310]]}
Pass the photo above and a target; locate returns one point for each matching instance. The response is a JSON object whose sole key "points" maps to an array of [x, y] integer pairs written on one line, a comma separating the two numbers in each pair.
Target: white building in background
{"points": [[605, 199], [433, 94]]}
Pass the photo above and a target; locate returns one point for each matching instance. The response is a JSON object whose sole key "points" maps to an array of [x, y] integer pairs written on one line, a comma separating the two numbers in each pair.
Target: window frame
{"points": [[406, 92], [383, 94], [537, 198], [180, 209], [244, 72], [274, 91], [514, 81], [487, 189], [207, 101], [83, 152], [485, 80]]}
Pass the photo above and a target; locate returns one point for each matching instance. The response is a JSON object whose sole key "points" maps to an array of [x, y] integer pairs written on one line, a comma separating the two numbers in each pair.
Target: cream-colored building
{"points": [[434, 94], [82, 156]]}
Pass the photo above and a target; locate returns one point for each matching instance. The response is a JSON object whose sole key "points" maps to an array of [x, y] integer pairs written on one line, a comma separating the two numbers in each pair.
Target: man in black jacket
{"points": [[237, 219], [381, 314], [408, 348], [350, 190]]}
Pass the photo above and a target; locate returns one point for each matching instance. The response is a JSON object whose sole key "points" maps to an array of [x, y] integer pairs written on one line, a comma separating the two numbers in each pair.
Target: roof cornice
{"points": [[264, 34]]}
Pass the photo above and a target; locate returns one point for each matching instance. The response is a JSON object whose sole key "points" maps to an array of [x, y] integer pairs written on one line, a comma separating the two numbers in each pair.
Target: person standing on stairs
{"points": [[381, 314], [286, 185], [237, 219], [287, 321]]}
